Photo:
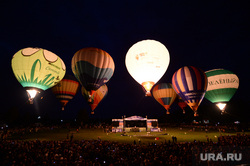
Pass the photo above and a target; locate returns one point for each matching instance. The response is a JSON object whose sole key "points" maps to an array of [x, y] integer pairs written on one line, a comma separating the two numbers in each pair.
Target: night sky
{"points": [[208, 35]]}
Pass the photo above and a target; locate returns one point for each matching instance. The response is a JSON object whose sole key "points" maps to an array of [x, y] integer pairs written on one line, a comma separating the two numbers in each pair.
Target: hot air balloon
{"points": [[190, 83], [66, 89], [222, 85], [181, 103], [37, 69], [164, 94], [96, 98], [146, 62], [93, 68]]}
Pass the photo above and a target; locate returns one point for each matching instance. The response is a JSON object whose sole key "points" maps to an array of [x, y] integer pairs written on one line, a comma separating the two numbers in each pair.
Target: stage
{"points": [[135, 124]]}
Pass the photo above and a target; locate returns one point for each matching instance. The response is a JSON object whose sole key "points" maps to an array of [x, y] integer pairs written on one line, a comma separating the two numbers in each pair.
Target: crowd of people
{"points": [[99, 152]]}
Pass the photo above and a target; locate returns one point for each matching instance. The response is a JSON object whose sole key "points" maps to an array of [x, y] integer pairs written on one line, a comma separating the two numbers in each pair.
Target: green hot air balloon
{"points": [[37, 69], [222, 85]]}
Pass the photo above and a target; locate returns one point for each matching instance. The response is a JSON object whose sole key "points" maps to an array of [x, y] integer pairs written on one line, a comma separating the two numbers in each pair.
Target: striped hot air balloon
{"points": [[92, 67], [164, 94], [190, 83], [222, 85], [96, 98], [66, 89]]}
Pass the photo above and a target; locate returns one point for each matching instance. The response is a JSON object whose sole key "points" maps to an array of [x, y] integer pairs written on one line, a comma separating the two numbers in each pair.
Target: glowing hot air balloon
{"points": [[190, 83], [96, 98], [37, 69], [66, 89], [164, 94], [93, 68], [146, 62], [222, 85]]}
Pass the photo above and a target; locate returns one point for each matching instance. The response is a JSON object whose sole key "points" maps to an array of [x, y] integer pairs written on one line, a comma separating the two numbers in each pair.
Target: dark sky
{"points": [[208, 35]]}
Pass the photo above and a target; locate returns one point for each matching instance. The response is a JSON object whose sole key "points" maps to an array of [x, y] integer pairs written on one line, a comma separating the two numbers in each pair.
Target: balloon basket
{"points": [[148, 94], [196, 114]]}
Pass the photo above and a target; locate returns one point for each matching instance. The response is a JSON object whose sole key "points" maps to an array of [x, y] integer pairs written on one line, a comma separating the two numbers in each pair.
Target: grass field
{"points": [[184, 135]]}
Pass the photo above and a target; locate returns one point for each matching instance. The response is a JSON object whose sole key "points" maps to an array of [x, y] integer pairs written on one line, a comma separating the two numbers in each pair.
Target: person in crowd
{"points": [[99, 152]]}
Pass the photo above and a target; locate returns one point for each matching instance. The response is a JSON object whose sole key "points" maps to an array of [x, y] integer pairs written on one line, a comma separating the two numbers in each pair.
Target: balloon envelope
{"points": [[222, 85], [164, 94], [181, 103], [97, 96], [37, 69], [190, 83], [92, 67], [146, 62], [66, 89]]}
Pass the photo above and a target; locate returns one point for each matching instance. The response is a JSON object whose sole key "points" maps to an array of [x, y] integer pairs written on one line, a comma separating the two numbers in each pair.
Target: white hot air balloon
{"points": [[146, 62]]}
